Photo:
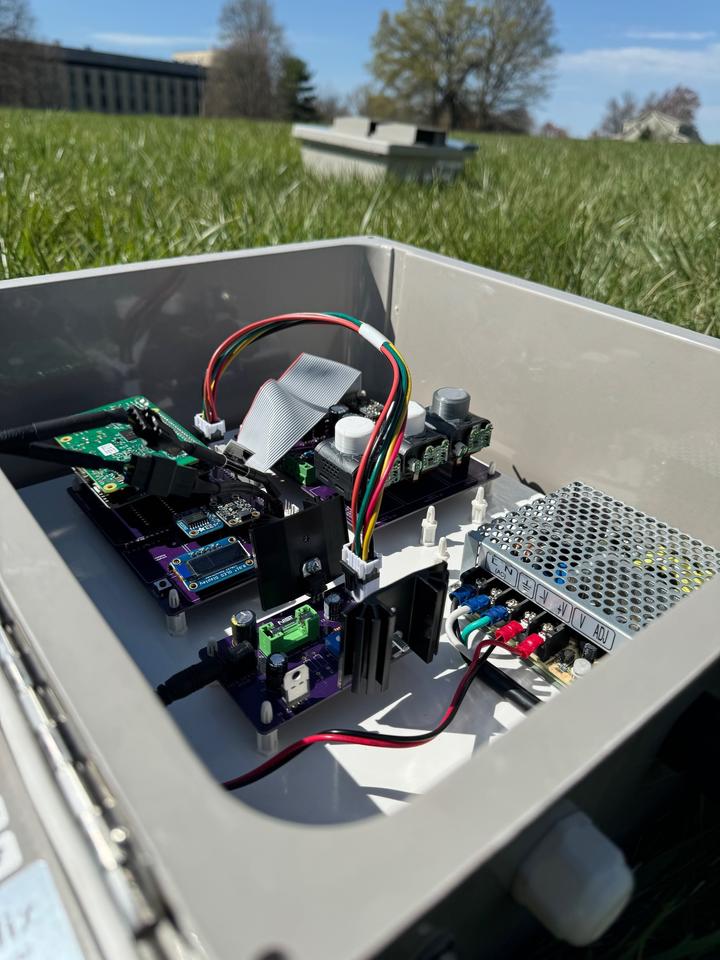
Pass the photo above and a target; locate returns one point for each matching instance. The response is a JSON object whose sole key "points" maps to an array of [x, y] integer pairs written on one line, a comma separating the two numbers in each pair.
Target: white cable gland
{"points": [[575, 881], [428, 528]]}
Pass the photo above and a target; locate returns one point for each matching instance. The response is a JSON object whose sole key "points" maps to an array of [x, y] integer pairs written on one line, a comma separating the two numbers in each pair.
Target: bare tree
{"points": [[30, 73], [616, 113], [245, 74], [679, 102], [514, 68], [551, 131], [16, 20], [329, 105]]}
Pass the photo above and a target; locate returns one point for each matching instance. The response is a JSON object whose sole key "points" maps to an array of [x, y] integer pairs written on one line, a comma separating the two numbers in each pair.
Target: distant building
{"points": [[201, 58], [654, 125], [103, 82]]}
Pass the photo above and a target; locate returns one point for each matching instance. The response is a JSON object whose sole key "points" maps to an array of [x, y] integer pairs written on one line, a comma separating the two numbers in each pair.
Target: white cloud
{"points": [[682, 35], [686, 65], [147, 40]]}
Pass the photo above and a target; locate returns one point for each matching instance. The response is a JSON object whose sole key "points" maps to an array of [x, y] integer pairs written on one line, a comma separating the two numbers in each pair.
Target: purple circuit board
{"points": [[147, 534], [322, 664], [402, 499]]}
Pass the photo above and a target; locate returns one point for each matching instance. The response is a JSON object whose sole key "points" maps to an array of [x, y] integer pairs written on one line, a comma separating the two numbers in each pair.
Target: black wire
{"points": [[12, 439], [378, 448], [245, 780], [498, 680], [391, 422], [262, 479], [420, 737], [65, 457]]}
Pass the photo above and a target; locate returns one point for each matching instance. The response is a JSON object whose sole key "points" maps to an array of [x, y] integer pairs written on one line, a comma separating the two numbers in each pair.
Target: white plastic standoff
{"points": [[428, 528]]}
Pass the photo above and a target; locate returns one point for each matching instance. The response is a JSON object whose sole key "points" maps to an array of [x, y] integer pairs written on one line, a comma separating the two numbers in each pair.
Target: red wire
{"points": [[381, 482], [376, 429], [209, 392], [357, 738], [311, 317]]}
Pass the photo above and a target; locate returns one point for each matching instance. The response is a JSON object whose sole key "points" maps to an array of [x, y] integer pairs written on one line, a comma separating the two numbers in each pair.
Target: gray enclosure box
{"points": [[359, 146], [151, 857]]}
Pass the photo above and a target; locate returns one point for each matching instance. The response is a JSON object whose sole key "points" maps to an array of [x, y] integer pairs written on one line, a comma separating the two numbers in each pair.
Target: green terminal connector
{"points": [[288, 633], [301, 470]]}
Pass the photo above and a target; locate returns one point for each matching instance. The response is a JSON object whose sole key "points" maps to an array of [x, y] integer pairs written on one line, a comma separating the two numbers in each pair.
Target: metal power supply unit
{"points": [[116, 838], [599, 565]]}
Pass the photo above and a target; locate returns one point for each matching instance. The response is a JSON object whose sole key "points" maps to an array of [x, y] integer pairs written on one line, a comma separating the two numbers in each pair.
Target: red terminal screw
{"points": [[529, 645], [510, 630]]}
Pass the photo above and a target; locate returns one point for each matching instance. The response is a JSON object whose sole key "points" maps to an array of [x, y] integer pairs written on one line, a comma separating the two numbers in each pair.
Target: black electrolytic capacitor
{"points": [[332, 606], [275, 669], [239, 661], [338, 410], [243, 625]]}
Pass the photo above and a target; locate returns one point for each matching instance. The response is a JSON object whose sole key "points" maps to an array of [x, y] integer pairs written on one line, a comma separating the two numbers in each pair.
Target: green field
{"points": [[634, 225]]}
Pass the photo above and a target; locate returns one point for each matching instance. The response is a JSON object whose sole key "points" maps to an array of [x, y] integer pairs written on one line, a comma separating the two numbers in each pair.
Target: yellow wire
{"points": [[373, 518], [233, 355], [365, 552]]}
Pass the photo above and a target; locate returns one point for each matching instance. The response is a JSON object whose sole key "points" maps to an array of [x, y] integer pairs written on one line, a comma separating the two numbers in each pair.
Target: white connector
{"points": [[211, 431], [479, 506], [364, 576], [428, 528]]}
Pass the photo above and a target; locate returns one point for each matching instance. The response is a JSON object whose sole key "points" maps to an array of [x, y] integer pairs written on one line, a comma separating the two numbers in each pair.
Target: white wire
{"points": [[452, 618]]}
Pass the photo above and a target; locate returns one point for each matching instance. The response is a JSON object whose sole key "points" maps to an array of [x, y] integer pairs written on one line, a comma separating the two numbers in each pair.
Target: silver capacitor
{"points": [[451, 403]]}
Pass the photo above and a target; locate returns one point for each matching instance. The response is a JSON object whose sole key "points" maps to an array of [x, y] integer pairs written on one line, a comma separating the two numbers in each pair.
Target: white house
{"points": [[654, 125]]}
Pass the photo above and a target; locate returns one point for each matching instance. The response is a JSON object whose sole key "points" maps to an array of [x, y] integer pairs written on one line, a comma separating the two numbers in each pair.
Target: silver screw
{"points": [[311, 566]]}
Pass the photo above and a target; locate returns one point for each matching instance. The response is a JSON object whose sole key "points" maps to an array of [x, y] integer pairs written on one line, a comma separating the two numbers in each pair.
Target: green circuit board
{"points": [[116, 441]]}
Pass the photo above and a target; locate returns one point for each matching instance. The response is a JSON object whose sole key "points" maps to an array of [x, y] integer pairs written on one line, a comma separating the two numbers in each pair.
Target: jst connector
{"points": [[362, 577], [211, 431], [529, 645]]}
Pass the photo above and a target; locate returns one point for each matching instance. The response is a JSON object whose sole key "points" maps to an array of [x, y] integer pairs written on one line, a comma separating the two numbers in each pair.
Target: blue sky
{"points": [[608, 45]]}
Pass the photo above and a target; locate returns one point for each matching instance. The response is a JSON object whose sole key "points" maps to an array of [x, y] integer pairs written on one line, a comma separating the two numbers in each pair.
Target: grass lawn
{"points": [[634, 225]]}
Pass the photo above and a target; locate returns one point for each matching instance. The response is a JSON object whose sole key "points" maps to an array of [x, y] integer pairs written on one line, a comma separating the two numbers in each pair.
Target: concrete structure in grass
{"points": [[359, 146]]}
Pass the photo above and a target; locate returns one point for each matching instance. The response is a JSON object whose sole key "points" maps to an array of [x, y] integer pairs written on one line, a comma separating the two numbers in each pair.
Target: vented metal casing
{"points": [[595, 562]]}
